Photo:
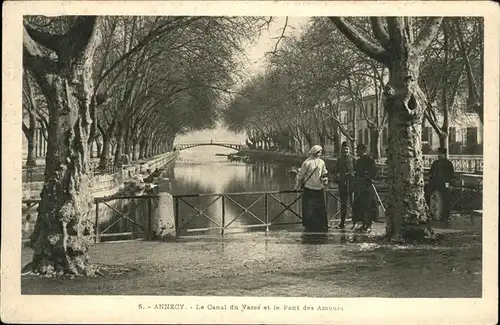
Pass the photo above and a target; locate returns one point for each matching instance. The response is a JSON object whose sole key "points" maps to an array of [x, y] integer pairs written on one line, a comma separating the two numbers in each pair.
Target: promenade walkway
{"points": [[282, 264]]}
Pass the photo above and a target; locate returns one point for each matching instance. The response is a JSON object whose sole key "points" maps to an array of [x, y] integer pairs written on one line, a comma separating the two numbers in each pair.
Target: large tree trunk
{"points": [[105, 152], [400, 50], [444, 142], [64, 227], [406, 207], [119, 147]]}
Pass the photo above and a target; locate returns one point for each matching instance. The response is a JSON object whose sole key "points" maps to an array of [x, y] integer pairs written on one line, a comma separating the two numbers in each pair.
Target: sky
{"points": [[256, 54]]}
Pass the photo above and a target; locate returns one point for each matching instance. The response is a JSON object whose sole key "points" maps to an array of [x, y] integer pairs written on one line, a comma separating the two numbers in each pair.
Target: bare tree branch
{"points": [[282, 35], [26, 130], [427, 34], [171, 25], [50, 41], [34, 57], [473, 101], [373, 51], [379, 31]]}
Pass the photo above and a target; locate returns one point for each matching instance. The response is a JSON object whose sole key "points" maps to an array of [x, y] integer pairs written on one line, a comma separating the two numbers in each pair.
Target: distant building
{"points": [[465, 133]]}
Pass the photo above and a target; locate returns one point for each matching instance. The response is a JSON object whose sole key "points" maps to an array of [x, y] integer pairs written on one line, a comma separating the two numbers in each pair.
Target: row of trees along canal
{"points": [[417, 68], [136, 81], [300, 95], [143, 80]]}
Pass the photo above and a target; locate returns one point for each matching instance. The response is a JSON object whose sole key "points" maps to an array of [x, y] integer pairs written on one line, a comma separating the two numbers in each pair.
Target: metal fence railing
{"points": [[130, 217], [224, 212]]}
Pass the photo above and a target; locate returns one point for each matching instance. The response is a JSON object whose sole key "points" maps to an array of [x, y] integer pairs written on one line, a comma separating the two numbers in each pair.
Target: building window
{"points": [[366, 137], [452, 135], [360, 136], [471, 137], [385, 137], [343, 116], [373, 109], [425, 134]]}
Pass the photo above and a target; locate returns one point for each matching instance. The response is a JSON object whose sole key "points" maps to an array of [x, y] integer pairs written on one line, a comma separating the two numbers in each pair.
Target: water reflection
{"points": [[314, 238], [199, 171]]}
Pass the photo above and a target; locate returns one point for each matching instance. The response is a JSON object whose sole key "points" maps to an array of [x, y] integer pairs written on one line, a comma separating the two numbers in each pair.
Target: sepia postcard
{"points": [[250, 162]]}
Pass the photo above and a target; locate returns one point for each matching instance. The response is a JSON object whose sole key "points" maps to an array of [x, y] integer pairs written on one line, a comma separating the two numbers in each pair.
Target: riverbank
{"points": [[283, 263], [101, 186]]}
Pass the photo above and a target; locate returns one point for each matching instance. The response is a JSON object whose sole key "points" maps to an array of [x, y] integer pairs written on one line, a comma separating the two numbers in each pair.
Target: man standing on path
{"points": [[365, 201], [441, 177], [344, 176]]}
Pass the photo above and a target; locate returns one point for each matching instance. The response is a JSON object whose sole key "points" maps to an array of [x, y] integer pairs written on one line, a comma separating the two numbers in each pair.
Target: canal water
{"points": [[200, 171]]}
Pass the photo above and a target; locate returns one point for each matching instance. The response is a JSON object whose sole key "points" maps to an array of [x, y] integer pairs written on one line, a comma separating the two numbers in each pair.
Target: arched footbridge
{"points": [[187, 145]]}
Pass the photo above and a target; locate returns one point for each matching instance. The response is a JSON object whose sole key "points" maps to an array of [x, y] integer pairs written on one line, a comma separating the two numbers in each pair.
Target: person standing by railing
{"points": [[365, 201], [344, 176], [312, 178], [441, 176]]}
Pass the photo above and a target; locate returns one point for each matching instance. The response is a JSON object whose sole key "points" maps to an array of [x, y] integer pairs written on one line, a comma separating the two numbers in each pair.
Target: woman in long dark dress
{"points": [[312, 178]]}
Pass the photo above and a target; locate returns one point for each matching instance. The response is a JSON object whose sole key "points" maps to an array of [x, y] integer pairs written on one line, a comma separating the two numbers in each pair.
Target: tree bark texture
{"points": [[64, 227], [400, 50], [106, 149], [404, 103]]}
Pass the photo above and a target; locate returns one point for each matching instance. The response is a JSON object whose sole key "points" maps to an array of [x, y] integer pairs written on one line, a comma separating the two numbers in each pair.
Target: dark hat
{"points": [[361, 146], [345, 144], [442, 150]]}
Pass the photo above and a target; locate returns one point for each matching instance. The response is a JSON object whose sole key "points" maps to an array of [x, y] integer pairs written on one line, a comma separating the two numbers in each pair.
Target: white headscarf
{"points": [[314, 150]]}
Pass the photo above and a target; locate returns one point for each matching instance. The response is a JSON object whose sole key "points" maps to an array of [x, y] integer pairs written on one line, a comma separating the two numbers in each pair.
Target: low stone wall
{"points": [[103, 186], [107, 184]]}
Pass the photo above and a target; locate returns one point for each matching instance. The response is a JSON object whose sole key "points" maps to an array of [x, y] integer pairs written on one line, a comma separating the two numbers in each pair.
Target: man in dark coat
{"points": [[441, 176], [344, 176], [365, 200]]}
